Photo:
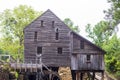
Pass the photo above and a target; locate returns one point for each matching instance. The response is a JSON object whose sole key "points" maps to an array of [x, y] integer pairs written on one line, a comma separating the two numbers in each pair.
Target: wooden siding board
{"points": [[46, 39], [72, 54], [94, 63]]}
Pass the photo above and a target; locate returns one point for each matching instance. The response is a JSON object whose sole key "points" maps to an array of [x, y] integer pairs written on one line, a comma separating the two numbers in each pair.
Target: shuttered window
{"points": [[39, 50], [59, 50], [53, 22], [42, 23], [57, 34], [88, 57], [35, 36], [81, 44]]}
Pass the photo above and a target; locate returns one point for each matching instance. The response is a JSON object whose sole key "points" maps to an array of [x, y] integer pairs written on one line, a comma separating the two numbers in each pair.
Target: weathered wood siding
{"points": [[42, 33], [79, 56], [95, 63], [88, 47], [46, 39]]}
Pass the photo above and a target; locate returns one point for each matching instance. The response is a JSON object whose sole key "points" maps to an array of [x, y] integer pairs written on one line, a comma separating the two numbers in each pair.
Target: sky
{"points": [[81, 12]]}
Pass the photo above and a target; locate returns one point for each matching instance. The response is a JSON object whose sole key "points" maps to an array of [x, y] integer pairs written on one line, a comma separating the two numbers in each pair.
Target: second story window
{"points": [[81, 44], [53, 22], [42, 23], [57, 34], [35, 36], [88, 57], [59, 49], [39, 50]]}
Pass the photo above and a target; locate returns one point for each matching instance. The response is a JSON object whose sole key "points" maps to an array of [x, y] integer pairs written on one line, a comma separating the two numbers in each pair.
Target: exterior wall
{"points": [[79, 56], [95, 63], [72, 54], [46, 39], [88, 47]]}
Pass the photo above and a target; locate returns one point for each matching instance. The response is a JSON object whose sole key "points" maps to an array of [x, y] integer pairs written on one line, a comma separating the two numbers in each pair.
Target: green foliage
{"points": [[112, 48], [112, 59], [10, 47], [1, 51], [71, 25], [113, 13], [99, 33], [12, 23], [111, 64], [118, 75], [115, 5], [113, 45], [102, 35]]}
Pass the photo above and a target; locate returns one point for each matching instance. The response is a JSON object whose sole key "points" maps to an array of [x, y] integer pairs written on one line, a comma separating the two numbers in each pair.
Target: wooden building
{"points": [[51, 39]]}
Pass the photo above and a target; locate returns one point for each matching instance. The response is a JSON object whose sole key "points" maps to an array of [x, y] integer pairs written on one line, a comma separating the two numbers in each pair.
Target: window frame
{"points": [[82, 45], [39, 50], [42, 23], [57, 34], [35, 35], [88, 57], [59, 50], [53, 24]]}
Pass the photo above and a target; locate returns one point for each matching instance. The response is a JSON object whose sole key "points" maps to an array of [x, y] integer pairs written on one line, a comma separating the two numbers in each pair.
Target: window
{"points": [[42, 23], [88, 57], [39, 50], [35, 36], [82, 44], [57, 34], [53, 22], [59, 50]]}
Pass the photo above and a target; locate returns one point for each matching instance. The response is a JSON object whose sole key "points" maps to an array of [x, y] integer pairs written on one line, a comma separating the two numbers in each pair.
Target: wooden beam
{"points": [[81, 76], [102, 75], [93, 77], [78, 75], [73, 72]]}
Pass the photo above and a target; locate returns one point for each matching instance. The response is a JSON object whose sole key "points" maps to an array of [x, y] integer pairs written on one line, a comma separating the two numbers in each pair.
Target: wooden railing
{"points": [[29, 64]]}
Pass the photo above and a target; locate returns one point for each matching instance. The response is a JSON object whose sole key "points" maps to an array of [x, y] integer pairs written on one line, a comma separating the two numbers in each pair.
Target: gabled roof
{"points": [[45, 13], [51, 13], [89, 42]]}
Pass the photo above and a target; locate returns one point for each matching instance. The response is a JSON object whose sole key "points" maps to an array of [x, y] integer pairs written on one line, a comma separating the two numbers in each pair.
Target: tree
{"points": [[104, 38], [12, 23], [1, 51], [71, 25], [112, 14], [112, 58], [99, 33]]}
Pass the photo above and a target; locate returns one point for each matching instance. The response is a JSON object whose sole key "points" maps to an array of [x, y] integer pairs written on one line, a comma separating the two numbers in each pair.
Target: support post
{"points": [[102, 75], [25, 76], [73, 72], [93, 77], [81, 76], [78, 75]]}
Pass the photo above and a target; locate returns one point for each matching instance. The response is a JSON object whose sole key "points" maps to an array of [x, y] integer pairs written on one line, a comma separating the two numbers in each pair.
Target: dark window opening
{"points": [[31, 77], [59, 50], [82, 44], [53, 22], [42, 23], [57, 35], [39, 50], [88, 57], [35, 36]]}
